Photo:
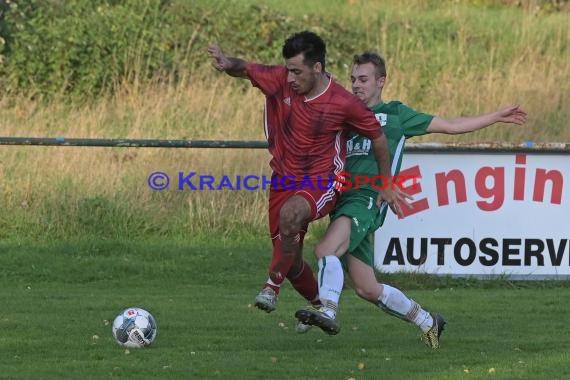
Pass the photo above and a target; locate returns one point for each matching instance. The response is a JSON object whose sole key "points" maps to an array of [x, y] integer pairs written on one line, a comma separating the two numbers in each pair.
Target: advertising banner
{"points": [[482, 214]]}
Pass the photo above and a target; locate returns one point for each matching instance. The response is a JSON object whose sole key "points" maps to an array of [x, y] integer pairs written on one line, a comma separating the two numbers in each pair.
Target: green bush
{"points": [[81, 47], [88, 47]]}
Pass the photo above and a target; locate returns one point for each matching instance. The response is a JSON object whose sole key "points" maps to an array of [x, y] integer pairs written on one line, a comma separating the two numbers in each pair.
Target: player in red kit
{"points": [[307, 116]]}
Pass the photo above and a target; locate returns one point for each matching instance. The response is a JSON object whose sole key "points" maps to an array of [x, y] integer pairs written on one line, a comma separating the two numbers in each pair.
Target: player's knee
{"points": [[367, 293], [331, 245], [292, 216], [320, 251]]}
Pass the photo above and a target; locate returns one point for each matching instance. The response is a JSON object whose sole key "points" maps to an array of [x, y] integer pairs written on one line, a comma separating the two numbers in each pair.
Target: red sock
{"points": [[306, 284], [276, 277], [279, 267]]}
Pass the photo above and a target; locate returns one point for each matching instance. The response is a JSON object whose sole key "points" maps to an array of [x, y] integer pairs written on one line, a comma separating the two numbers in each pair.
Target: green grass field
{"points": [[59, 299]]}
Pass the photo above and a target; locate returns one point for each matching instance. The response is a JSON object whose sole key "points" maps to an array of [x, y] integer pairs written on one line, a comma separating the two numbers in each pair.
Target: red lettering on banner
{"points": [[441, 181], [518, 193], [555, 178], [497, 191], [416, 188], [490, 185]]}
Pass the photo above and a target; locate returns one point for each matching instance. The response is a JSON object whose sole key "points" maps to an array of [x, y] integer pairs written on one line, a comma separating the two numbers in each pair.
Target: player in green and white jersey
{"points": [[357, 216]]}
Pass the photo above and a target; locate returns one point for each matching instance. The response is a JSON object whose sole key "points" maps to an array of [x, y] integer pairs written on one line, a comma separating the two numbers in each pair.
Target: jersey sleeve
{"points": [[362, 120], [269, 79], [414, 123]]}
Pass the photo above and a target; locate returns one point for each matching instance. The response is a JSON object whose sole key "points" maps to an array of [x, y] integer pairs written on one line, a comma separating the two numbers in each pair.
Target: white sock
{"points": [[394, 302], [272, 283], [331, 280]]}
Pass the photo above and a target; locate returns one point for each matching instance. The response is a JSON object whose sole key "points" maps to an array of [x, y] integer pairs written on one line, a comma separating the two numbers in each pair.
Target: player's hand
{"points": [[221, 62], [512, 114], [394, 198]]}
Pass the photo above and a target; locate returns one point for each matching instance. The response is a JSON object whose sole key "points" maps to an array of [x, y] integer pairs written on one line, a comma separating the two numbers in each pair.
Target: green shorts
{"points": [[364, 213]]}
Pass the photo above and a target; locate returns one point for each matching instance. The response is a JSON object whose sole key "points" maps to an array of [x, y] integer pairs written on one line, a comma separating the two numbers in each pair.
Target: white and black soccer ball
{"points": [[134, 328]]}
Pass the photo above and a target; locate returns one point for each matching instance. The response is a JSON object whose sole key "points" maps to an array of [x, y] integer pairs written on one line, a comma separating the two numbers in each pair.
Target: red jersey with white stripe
{"points": [[307, 137]]}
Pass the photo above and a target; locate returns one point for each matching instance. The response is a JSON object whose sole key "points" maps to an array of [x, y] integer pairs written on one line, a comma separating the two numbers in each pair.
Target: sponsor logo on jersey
{"points": [[382, 118], [358, 146]]}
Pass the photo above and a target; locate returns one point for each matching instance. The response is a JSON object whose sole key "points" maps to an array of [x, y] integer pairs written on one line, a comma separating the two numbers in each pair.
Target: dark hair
{"points": [[309, 44], [373, 58]]}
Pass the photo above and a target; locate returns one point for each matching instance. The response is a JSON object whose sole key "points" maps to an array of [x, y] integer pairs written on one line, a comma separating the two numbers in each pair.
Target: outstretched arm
{"points": [[234, 67], [512, 115]]}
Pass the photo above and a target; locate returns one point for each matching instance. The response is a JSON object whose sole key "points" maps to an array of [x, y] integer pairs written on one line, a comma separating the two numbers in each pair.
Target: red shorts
{"points": [[322, 201]]}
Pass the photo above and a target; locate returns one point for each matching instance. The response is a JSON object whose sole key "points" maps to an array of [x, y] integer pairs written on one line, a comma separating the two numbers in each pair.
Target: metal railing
{"points": [[134, 143], [255, 144]]}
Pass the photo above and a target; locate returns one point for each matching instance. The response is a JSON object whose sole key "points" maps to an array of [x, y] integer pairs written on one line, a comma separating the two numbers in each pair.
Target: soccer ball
{"points": [[134, 328]]}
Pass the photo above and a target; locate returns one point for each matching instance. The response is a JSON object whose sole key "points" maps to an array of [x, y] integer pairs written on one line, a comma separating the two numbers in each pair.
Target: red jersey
{"points": [[307, 137]]}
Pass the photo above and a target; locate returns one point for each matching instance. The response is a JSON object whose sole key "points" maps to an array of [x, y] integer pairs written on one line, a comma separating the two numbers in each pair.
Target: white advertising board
{"points": [[482, 215]]}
